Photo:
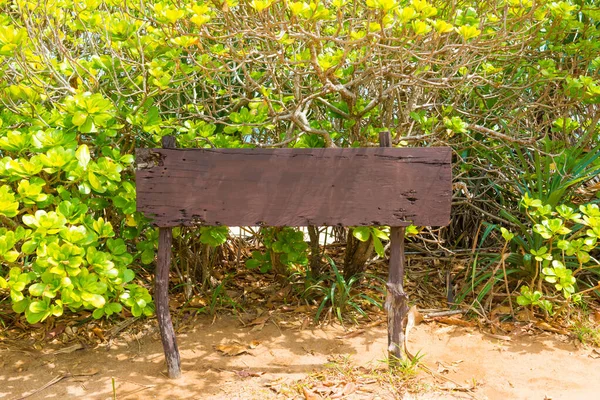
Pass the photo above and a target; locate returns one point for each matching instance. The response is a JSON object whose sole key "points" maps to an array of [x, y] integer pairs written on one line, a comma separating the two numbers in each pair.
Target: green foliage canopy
{"points": [[85, 82]]}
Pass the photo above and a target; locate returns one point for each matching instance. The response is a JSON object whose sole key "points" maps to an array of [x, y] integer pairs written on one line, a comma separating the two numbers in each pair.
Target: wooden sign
{"points": [[295, 187]]}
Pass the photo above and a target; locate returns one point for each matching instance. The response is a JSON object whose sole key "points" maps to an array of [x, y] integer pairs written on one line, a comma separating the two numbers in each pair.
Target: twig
{"points": [[118, 328], [498, 135], [445, 313], [54, 382]]}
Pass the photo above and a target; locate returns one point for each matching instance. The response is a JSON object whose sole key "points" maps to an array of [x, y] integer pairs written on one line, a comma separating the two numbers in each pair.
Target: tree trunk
{"points": [[278, 267], [206, 265], [357, 254], [316, 267]]}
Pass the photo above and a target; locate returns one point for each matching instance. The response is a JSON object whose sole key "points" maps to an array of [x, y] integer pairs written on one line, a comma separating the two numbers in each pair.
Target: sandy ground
{"points": [[543, 366]]}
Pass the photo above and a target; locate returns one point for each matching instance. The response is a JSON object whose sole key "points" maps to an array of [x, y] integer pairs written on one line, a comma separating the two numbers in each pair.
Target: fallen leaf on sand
{"points": [[416, 314], [68, 349], [248, 374], [261, 320], [303, 309], [233, 349], [276, 385], [308, 395], [500, 310], [595, 353], [351, 334], [454, 386], [525, 316], [88, 372], [305, 324], [349, 389], [444, 368], [257, 328], [56, 331], [376, 323], [448, 386], [98, 332], [547, 327], [254, 344], [444, 330]]}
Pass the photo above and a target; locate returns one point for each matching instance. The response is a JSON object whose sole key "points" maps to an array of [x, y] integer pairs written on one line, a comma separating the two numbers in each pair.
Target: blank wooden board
{"points": [[295, 187]]}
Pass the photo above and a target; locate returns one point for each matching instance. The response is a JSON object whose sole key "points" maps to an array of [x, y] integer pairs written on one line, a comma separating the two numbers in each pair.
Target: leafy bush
{"points": [[63, 251], [512, 87], [285, 247], [556, 246]]}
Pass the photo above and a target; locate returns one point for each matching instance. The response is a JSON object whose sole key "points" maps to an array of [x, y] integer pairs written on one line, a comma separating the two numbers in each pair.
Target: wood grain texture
{"points": [[396, 303], [295, 187], [161, 299], [161, 293]]}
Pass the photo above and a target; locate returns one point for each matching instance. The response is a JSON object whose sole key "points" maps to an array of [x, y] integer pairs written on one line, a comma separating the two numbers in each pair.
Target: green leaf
{"points": [[11, 256], [128, 275], [20, 306], [37, 289], [136, 310], [98, 313], [114, 307], [16, 296], [251, 263], [79, 118], [38, 307], [523, 301], [29, 247], [506, 234], [468, 32], [9, 207], [95, 300], [88, 126], [378, 247], [362, 233], [83, 155], [380, 234], [34, 318], [147, 256], [95, 182]]}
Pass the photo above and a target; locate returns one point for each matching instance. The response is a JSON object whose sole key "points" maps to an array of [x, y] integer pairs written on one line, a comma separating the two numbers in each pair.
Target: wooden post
{"points": [[396, 302], [161, 292]]}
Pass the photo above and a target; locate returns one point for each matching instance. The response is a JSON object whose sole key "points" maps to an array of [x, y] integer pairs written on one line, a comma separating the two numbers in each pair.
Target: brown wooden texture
{"points": [[396, 303], [161, 293], [161, 299], [295, 187]]}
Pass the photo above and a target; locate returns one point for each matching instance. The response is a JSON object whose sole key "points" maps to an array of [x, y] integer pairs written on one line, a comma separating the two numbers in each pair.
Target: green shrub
{"points": [[61, 197], [85, 83], [556, 247], [285, 246]]}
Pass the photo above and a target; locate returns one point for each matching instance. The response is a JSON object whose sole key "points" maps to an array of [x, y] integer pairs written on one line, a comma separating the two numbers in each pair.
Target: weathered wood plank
{"points": [[396, 302], [295, 187], [161, 299], [161, 293]]}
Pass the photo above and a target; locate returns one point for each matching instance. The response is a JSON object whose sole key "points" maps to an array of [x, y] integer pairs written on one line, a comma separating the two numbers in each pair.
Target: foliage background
{"points": [[512, 85]]}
